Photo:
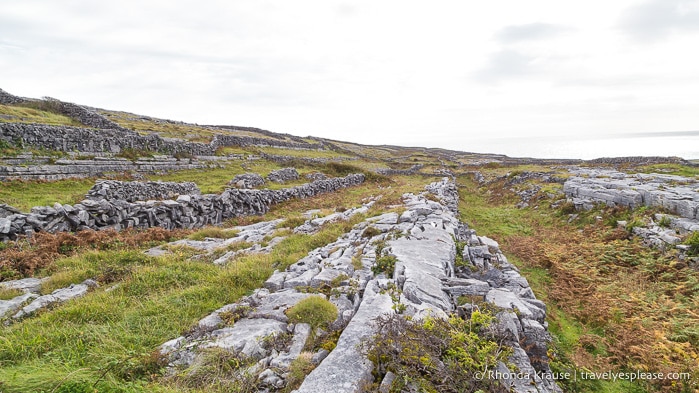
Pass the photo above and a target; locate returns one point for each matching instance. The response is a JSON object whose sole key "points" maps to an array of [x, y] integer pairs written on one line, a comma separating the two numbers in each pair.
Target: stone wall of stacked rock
{"points": [[187, 211], [424, 283], [410, 171], [83, 115], [232, 140], [39, 168], [63, 138], [115, 140], [132, 191], [9, 99], [108, 136]]}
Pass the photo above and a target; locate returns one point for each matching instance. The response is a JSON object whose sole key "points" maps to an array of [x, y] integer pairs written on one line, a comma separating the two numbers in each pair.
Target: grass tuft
{"points": [[314, 310]]}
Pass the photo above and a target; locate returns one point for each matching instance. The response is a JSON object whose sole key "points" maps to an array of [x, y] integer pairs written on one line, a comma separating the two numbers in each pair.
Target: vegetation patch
{"points": [[9, 293], [314, 310], [134, 154], [35, 112], [436, 355], [25, 257], [220, 371], [213, 232], [298, 370], [693, 242], [25, 194]]}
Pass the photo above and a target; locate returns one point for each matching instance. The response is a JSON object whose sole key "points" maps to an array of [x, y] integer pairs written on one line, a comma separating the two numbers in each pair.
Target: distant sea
{"points": [[679, 144]]}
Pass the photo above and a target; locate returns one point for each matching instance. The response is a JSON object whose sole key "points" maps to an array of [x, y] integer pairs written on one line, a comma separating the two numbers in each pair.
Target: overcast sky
{"points": [[453, 74]]}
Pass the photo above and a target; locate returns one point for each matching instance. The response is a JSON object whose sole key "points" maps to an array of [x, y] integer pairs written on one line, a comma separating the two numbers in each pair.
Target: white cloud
{"points": [[530, 31], [655, 20], [443, 74]]}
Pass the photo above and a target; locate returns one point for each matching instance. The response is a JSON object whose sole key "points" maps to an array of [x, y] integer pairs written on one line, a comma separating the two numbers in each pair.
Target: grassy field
{"points": [[303, 153], [26, 114], [24, 195], [191, 132]]}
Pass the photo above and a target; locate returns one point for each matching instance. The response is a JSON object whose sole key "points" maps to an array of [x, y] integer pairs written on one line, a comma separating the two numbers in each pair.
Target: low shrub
{"points": [[693, 242], [385, 264], [436, 355]]}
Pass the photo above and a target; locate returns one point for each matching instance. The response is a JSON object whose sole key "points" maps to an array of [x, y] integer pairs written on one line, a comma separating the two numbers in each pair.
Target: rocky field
{"points": [[147, 255]]}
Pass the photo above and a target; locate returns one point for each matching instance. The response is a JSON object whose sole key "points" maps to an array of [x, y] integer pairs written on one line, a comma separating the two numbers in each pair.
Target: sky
{"points": [[525, 78]]}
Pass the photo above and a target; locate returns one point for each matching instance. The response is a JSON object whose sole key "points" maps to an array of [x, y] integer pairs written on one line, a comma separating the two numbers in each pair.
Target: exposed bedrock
{"points": [[423, 240], [677, 194]]}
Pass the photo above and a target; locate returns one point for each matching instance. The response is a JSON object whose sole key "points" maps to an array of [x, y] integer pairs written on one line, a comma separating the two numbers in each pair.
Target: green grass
{"points": [[24, 114], [25, 194], [491, 220], [225, 150], [303, 153], [108, 338], [672, 169], [9, 293], [214, 180]]}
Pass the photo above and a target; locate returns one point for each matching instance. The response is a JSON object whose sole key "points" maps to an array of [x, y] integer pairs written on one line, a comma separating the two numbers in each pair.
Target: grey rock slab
{"points": [[524, 379], [276, 281], [172, 345], [504, 298], [12, 305], [408, 216], [469, 290], [385, 219], [493, 246], [5, 225], [245, 336], [275, 304], [346, 369], [303, 280], [387, 382], [25, 284], [301, 333], [425, 261], [326, 276], [156, 252], [57, 296], [319, 356]]}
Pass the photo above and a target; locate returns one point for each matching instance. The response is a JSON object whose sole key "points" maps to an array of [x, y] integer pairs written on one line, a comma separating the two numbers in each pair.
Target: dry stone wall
{"points": [[132, 191], [188, 211], [83, 115], [391, 172], [232, 140], [33, 168], [283, 175], [116, 139], [87, 140], [9, 99], [247, 180]]}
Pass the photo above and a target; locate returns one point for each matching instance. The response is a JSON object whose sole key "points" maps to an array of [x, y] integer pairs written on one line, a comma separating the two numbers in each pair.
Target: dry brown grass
{"points": [[22, 258], [636, 307]]}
